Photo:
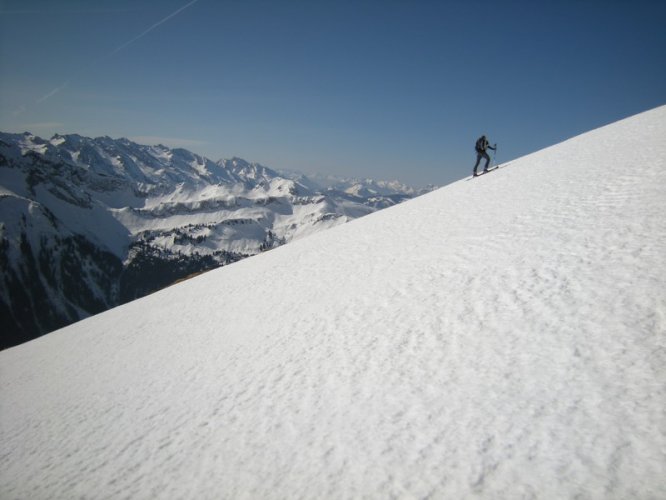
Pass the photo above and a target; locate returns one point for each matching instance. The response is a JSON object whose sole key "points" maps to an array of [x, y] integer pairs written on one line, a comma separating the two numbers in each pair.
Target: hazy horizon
{"points": [[387, 90]]}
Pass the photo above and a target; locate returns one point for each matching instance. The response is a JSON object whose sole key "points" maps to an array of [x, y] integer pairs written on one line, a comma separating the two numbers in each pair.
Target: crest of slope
{"points": [[501, 337]]}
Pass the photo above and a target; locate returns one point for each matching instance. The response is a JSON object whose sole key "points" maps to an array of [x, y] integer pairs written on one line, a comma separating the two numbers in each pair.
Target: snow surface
{"points": [[502, 337]]}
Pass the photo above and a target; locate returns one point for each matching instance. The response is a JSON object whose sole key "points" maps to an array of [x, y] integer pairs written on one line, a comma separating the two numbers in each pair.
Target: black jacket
{"points": [[482, 144]]}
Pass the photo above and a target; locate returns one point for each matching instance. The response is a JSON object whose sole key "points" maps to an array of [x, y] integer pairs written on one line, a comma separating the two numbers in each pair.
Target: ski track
{"points": [[515, 352]]}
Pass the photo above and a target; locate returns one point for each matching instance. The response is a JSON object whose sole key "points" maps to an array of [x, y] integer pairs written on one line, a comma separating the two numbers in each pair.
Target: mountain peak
{"points": [[130, 209]]}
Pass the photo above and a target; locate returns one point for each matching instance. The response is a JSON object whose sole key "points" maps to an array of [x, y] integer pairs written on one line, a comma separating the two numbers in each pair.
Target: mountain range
{"points": [[87, 224]]}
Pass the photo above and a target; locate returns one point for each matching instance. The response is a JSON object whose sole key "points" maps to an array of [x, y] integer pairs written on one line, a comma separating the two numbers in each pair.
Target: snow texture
{"points": [[502, 337]]}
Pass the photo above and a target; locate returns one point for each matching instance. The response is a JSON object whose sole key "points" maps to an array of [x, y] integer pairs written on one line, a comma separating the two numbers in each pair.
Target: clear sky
{"points": [[389, 89]]}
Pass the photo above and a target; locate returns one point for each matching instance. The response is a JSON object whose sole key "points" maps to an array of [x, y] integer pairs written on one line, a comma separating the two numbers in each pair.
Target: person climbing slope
{"points": [[481, 147]]}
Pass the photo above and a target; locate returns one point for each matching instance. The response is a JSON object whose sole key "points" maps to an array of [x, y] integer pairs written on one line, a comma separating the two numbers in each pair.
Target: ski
{"points": [[485, 171]]}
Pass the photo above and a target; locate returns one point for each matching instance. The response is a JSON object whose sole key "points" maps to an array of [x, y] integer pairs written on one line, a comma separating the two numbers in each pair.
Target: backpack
{"points": [[480, 145]]}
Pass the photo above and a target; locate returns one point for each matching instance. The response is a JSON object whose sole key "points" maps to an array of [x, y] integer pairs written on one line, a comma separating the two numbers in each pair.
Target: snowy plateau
{"points": [[502, 337], [88, 224]]}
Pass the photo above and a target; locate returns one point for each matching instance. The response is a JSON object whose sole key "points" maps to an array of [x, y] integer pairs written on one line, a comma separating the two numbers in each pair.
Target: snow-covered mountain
{"points": [[86, 224], [354, 186], [502, 337]]}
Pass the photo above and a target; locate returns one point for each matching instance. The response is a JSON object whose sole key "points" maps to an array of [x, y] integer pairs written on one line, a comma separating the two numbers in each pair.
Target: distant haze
{"points": [[387, 89]]}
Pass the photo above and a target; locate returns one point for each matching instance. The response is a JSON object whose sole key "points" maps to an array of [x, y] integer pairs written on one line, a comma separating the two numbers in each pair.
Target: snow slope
{"points": [[502, 337]]}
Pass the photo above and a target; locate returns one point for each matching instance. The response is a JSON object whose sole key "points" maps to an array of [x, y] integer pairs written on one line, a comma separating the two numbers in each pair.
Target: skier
{"points": [[481, 146]]}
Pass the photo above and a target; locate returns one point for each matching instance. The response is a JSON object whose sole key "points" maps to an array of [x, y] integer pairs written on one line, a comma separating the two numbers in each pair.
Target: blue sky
{"points": [[390, 89]]}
